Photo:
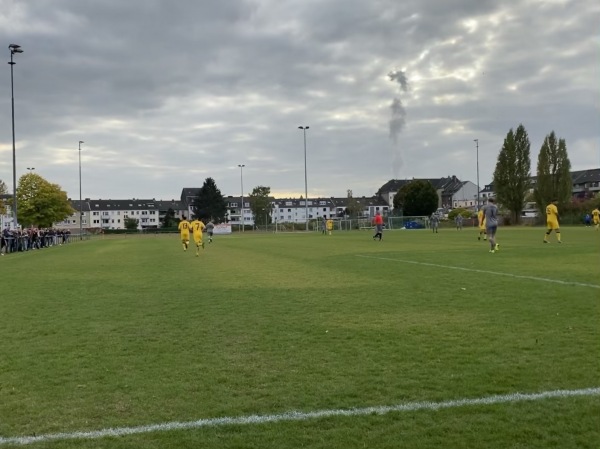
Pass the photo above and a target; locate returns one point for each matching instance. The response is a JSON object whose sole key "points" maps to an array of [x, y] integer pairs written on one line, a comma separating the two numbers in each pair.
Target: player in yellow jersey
{"points": [[552, 221], [197, 228], [596, 218], [184, 231], [481, 221], [329, 225]]}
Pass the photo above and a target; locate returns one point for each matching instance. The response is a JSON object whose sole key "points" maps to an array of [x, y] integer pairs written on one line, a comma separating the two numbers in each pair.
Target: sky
{"points": [[168, 93]]}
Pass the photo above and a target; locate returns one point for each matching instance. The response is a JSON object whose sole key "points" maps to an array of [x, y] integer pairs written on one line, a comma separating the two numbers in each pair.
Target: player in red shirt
{"points": [[378, 222]]}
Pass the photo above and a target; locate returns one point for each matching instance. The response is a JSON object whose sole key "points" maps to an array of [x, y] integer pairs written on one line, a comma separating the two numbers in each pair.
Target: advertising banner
{"points": [[222, 228]]}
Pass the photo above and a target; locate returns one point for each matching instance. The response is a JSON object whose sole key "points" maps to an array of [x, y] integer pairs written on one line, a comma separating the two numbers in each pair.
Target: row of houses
{"points": [[452, 193]]}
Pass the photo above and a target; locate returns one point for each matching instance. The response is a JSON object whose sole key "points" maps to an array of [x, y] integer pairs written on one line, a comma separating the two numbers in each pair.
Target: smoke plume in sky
{"points": [[397, 120]]}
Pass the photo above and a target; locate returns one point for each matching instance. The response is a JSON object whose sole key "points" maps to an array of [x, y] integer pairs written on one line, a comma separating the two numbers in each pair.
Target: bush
{"points": [[464, 212]]}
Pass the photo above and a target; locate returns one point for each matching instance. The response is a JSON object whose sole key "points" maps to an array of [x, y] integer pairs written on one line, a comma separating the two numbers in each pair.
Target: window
{"points": [[96, 221], [95, 213], [288, 203], [322, 203], [289, 210], [105, 213], [232, 204], [324, 209]]}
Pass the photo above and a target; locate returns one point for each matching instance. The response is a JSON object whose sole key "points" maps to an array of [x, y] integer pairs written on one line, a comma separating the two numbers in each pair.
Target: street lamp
{"points": [[477, 146], [30, 169], [80, 203], [14, 48], [304, 128], [242, 183]]}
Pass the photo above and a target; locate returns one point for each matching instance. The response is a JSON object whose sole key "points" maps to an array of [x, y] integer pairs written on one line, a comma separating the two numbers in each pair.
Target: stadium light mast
{"points": [[14, 48], [80, 204], [304, 128], [242, 184], [477, 150]]}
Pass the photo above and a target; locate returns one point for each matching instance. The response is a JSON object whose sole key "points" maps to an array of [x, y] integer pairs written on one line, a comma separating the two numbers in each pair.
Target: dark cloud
{"points": [[168, 93]]}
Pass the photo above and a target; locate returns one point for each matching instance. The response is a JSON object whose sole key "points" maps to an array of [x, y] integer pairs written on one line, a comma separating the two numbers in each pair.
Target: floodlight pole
{"points": [[477, 149], [80, 204], [304, 128], [242, 184], [14, 48]]}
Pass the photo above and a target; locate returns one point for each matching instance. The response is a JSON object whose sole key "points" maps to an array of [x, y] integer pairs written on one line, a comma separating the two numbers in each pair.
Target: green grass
{"points": [[128, 331]]}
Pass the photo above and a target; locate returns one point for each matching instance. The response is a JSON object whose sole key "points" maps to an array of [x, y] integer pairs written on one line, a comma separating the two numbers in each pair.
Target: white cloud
{"points": [[166, 94]]}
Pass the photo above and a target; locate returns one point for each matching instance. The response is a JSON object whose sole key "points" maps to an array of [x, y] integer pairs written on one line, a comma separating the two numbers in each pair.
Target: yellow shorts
{"points": [[552, 225], [482, 228], [185, 238], [596, 221]]}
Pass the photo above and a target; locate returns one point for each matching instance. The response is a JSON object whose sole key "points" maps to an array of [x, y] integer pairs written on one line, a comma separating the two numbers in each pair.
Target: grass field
{"points": [[132, 331]]}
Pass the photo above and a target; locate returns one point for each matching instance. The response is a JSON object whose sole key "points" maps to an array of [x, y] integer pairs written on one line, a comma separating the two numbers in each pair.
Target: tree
{"points": [[513, 172], [131, 224], [41, 203], [553, 173], [210, 202], [260, 204], [3, 191], [353, 206], [169, 220], [417, 198]]}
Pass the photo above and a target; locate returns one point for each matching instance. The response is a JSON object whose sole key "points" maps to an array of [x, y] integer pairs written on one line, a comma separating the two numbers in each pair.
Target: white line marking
{"points": [[297, 416], [474, 270]]}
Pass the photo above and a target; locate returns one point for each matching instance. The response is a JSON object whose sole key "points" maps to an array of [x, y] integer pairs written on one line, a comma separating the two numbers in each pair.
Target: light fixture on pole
{"points": [[304, 128], [80, 203], [30, 169], [14, 48], [477, 149], [242, 184]]}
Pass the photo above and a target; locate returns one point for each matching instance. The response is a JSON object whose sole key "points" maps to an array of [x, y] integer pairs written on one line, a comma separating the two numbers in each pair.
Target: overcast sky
{"points": [[168, 93]]}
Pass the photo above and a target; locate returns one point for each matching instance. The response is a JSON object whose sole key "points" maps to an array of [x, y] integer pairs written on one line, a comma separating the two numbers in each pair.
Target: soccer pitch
{"points": [[304, 340]]}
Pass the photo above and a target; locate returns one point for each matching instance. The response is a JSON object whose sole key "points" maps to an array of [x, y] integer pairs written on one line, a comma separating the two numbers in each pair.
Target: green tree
{"points": [[3, 191], [417, 198], [513, 172], [353, 206], [41, 203], [210, 202], [131, 224], [169, 220], [553, 173], [260, 204]]}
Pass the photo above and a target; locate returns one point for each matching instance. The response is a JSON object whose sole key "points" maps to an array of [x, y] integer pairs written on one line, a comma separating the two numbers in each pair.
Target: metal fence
{"points": [[348, 224]]}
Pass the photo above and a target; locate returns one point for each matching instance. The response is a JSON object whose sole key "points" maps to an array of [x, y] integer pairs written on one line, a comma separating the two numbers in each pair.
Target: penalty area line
{"points": [[475, 270], [297, 416]]}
